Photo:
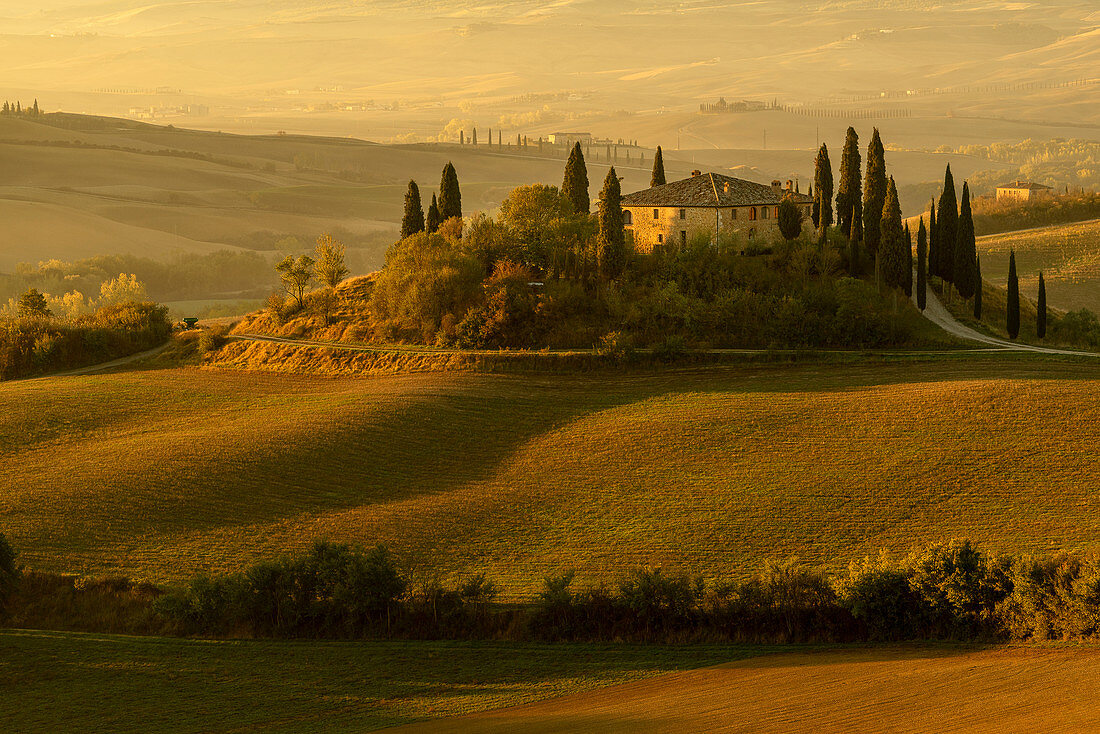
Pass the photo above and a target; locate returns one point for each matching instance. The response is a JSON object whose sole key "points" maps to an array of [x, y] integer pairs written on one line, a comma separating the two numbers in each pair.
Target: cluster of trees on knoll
{"points": [[945, 591], [18, 110], [547, 271], [870, 219]]}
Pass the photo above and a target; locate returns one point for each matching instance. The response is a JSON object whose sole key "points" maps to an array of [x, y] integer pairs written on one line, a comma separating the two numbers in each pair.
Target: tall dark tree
{"points": [[473, 137], [1013, 317], [978, 289], [450, 196], [790, 219], [849, 195], [433, 218], [855, 236], [908, 261], [658, 177], [922, 266], [874, 193], [1041, 309], [966, 252], [892, 243], [933, 250], [413, 221], [823, 191], [610, 240], [575, 185], [947, 229]]}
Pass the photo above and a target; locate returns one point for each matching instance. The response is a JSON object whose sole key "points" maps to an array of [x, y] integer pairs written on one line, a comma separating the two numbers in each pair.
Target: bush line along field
{"points": [[159, 475]]}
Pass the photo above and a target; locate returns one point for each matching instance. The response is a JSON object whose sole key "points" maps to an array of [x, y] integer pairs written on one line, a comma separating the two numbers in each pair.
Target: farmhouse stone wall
{"points": [[676, 225]]}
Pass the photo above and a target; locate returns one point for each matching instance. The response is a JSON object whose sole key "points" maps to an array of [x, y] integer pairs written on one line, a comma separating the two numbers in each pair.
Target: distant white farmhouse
{"points": [[570, 138], [1023, 191]]}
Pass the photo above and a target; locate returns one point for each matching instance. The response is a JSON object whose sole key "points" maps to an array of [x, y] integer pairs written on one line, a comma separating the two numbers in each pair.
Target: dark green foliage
{"points": [[32, 305], [1012, 324], [966, 252], [433, 218], [882, 599], [610, 241], [9, 573], [892, 243], [508, 314], [874, 193], [933, 251], [450, 196], [849, 194], [790, 219], [1041, 309], [823, 191], [961, 588], [922, 266], [979, 288], [658, 178], [1053, 599], [909, 262], [575, 185], [413, 220], [854, 237], [947, 230]]}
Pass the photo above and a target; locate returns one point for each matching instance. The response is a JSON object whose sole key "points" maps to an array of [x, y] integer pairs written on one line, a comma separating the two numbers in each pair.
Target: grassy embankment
{"points": [[159, 475]]}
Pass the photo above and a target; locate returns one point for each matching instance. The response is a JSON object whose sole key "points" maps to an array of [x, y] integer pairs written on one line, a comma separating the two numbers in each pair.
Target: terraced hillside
{"points": [[161, 474]]}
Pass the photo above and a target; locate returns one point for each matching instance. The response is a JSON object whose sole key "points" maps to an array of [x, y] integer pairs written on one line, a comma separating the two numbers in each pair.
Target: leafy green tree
{"points": [[922, 266], [433, 218], [450, 197], [892, 240], [330, 265], [658, 178], [874, 193], [1041, 309], [32, 304], [296, 275], [966, 252], [947, 229], [413, 219], [575, 185], [790, 219], [1013, 317], [123, 289], [849, 195], [610, 240], [978, 288], [533, 214], [823, 190]]}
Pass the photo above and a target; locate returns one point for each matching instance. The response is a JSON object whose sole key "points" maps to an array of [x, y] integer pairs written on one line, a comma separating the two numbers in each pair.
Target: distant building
{"points": [[570, 138], [709, 204], [1023, 191]]}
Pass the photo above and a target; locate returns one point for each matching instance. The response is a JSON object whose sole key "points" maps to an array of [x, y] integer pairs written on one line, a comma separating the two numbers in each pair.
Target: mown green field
{"points": [[67, 682], [162, 474]]}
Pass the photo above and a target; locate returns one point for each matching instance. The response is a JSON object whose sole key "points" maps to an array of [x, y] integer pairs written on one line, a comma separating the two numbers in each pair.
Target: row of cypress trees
{"points": [[447, 205]]}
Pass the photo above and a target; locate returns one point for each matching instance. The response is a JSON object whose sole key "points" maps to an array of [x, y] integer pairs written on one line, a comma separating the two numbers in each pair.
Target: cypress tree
{"points": [[908, 262], [433, 219], [473, 137], [575, 185], [947, 229], [658, 178], [966, 252], [1041, 309], [610, 241], [413, 221], [892, 239], [462, 137], [922, 266], [933, 252], [849, 196], [35, 110], [855, 234], [450, 197], [1013, 318], [874, 193], [823, 188], [978, 288]]}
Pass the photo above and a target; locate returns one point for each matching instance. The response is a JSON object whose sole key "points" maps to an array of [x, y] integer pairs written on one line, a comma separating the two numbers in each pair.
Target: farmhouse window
{"points": [[628, 218], [660, 239], [733, 214], [683, 214], [752, 213], [656, 214], [777, 212], [763, 212]]}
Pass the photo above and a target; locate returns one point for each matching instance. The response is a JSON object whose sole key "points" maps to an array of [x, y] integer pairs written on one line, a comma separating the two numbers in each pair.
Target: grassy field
{"points": [[899, 690], [1068, 255], [161, 474], [67, 682]]}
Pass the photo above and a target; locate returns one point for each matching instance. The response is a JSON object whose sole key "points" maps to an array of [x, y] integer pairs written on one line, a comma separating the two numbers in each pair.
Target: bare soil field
{"points": [[903, 690]]}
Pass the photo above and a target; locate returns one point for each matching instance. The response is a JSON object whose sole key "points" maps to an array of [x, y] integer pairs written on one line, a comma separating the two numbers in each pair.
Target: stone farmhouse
{"points": [[706, 204], [1023, 191]]}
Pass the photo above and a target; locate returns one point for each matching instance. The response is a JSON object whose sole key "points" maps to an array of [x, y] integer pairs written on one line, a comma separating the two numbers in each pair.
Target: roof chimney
{"points": [[790, 186], [777, 185], [726, 187], [696, 172]]}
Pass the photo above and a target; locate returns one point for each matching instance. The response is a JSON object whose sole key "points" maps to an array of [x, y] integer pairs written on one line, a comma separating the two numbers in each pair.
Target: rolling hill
{"points": [[162, 474]]}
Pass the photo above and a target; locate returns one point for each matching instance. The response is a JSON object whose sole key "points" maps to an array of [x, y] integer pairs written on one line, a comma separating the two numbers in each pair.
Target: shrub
{"points": [[657, 604], [1053, 598], [9, 572], [882, 599], [616, 345], [670, 349], [960, 587]]}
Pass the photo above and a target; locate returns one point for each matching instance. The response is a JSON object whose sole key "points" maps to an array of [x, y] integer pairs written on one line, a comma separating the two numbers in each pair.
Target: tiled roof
{"points": [[711, 189], [1024, 185]]}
